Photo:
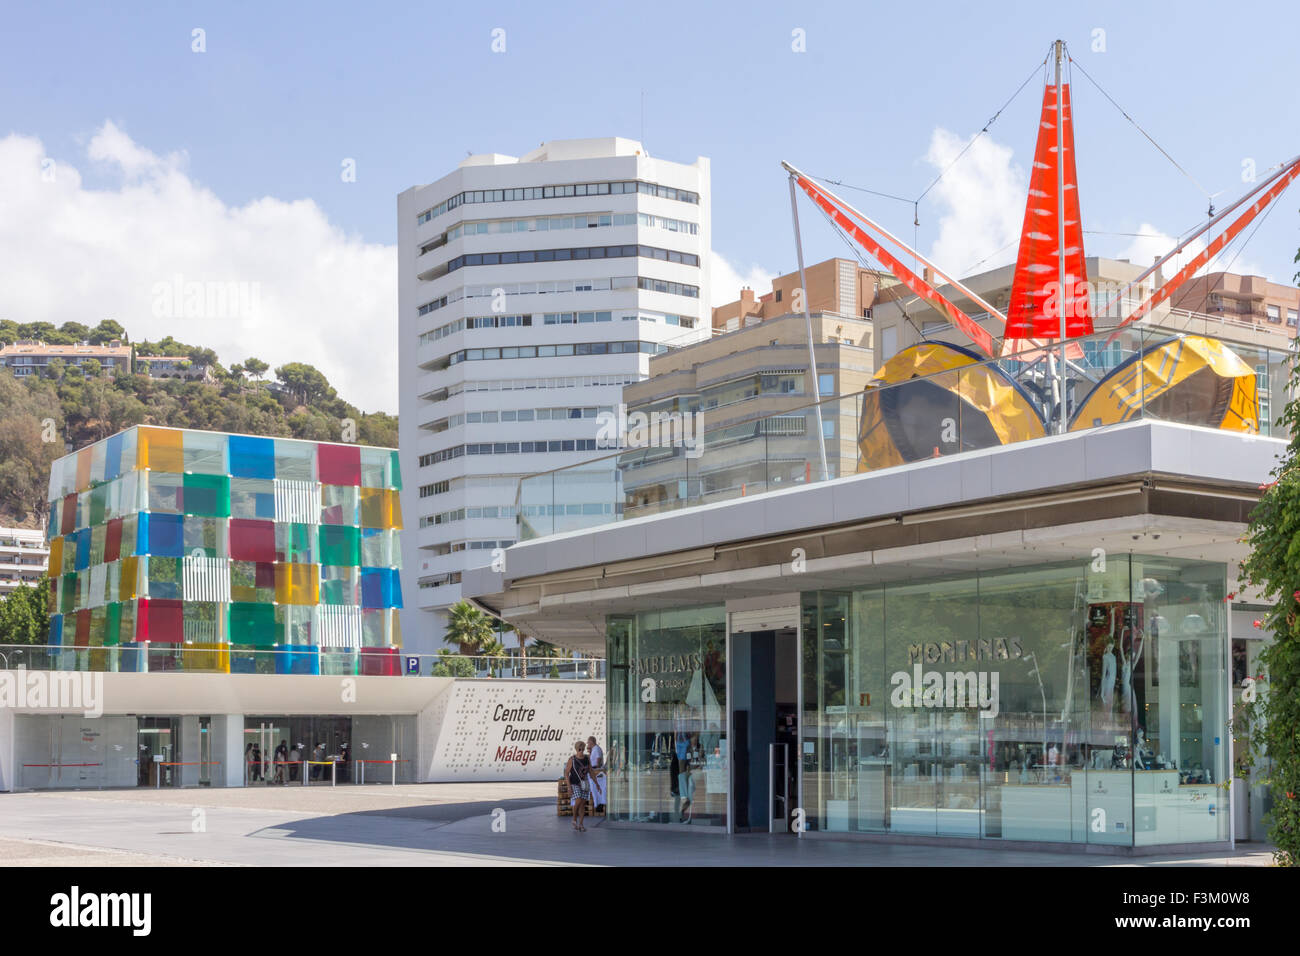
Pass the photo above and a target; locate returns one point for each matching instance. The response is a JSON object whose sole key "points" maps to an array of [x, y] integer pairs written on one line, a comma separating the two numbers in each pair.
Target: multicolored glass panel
{"points": [[225, 544]]}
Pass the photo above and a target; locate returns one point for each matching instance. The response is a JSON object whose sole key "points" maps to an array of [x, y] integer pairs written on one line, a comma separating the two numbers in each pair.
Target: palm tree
{"points": [[495, 652], [470, 628], [503, 629]]}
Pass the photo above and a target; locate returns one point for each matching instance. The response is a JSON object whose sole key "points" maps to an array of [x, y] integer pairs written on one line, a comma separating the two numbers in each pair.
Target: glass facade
{"points": [[667, 717], [1082, 702], [358, 747], [1079, 703], [192, 547]]}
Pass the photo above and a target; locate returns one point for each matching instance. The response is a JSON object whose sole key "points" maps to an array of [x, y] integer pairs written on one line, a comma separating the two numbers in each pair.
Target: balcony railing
{"points": [[771, 453]]}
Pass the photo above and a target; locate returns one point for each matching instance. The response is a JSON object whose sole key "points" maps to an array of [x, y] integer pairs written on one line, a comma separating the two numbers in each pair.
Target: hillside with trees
{"points": [[75, 406]]}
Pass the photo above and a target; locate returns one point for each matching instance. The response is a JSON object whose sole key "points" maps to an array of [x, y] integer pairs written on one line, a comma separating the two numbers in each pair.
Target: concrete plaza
{"points": [[432, 824]]}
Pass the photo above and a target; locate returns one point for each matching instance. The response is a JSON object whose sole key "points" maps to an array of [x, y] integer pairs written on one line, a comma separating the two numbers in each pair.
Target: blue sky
{"points": [[285, 92]]}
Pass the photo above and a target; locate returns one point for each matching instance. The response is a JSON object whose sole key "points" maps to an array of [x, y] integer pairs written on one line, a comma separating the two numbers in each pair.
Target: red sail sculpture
{"points": [[1159, 295], [1036, 299], [830, 205]]}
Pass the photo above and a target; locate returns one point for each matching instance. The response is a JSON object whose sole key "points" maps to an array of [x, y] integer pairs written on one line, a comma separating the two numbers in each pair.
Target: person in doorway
{"points": [[317, 757], [686, 787], [295, 762], [256, 758], [578, 772], [674, 775], [597, 758], [344, 757], [248, 762], [281, 758]]}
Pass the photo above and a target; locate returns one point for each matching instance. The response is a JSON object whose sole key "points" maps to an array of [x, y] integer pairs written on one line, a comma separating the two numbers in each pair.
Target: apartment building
{"points": [[1250, 300], [33, 358], [174, 366], [23, 556], [842, 286], [736, 386], [531, 290]]}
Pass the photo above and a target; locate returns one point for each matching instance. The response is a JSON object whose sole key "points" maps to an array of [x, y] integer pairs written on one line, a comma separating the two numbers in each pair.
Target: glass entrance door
{"points": [[277, 746], [158, 752], [205, 751], [764, 699], [266, 761], [668, 715]]}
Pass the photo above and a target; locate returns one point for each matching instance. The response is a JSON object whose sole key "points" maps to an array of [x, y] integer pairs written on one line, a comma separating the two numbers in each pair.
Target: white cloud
{"points": [[312, 293], [726, 280], [981, 203]]}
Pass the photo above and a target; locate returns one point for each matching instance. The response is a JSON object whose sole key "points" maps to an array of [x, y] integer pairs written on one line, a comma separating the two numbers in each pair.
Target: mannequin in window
{"points": [[1129, 662], [1107, 689]]}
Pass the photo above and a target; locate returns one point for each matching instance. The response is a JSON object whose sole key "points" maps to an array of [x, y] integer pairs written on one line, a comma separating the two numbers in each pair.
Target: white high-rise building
{"points": [[23, 557], [531, 291]]}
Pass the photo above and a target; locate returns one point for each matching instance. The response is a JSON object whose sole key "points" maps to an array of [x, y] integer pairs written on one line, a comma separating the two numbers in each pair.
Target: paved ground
{"points": [[426, 824]]}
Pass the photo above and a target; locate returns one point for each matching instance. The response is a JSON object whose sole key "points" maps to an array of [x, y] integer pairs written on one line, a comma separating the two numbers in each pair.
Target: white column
{"points": [[228, 747], [189, 752], [7, 728]]}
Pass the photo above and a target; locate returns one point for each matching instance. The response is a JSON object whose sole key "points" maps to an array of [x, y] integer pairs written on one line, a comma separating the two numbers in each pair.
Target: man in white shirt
{"points": [[597, 774]]}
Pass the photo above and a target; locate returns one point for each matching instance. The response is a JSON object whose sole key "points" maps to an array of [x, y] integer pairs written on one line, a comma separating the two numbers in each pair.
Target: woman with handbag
{"points": [[578, 770]]}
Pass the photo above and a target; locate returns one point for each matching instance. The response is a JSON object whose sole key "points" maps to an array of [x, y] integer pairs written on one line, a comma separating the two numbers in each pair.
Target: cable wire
{"points": [[1148, 136], [857, 254], [974, 138]]}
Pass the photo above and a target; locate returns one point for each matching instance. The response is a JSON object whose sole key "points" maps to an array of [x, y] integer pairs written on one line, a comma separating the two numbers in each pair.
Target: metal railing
{"points": [[767, 453], [147, 657]]}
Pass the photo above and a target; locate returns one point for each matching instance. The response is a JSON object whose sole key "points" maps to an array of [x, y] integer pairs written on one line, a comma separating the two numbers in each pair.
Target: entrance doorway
{"points": [[271, 743], [158, 751], [764, 701]]}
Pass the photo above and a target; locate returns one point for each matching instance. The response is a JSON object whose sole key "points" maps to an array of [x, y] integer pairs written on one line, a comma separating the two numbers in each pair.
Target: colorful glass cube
{"points": [[210, 541]]}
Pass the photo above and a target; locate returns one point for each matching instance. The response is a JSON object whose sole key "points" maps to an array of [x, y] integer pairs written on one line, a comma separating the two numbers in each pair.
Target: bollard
{"points": [[304, 773], [334, 766], [393, 757]]}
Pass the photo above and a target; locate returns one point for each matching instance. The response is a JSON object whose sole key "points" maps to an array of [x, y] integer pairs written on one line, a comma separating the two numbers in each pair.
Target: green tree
{"points": [[255, 367], [43, 332], [106, 332], [304, 382], [75, 330], [1269, 724], [24, 618], [31, 430], [451, 664], [202, 356]]}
